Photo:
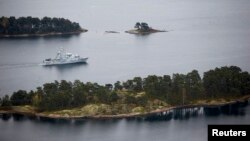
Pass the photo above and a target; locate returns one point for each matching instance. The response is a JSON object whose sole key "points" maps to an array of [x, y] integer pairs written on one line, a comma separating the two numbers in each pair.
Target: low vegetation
{"points": [[138, 95]]}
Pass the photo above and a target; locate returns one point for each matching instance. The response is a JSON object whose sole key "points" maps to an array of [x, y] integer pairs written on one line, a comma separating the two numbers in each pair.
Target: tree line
{"points": [[176, 90], [34, 25]]}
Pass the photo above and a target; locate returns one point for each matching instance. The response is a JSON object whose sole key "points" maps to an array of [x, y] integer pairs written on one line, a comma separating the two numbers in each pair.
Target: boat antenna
{"points": [[61, 49]]}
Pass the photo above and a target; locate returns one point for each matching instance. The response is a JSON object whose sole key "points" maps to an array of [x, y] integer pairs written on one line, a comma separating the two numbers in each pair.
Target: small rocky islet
{"points": [[143, 29]]}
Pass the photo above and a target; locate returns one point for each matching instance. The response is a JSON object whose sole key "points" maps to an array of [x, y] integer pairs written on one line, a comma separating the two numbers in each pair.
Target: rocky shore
{"points": [[42, 34], [141, 32], [32, 112]]}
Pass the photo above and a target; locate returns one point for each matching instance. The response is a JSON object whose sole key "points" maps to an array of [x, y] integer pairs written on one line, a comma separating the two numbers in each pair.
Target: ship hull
{"points": [[55, 62]]}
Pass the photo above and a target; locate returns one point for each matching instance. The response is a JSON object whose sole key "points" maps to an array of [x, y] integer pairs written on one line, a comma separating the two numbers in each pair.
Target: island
{"points": [[143, 29], [137, 97], [33, 26]]}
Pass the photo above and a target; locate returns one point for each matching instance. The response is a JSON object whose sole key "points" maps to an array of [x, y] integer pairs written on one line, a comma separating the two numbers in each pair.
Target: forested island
{"points": [[33, 26], [142, 29], [137, 96]]}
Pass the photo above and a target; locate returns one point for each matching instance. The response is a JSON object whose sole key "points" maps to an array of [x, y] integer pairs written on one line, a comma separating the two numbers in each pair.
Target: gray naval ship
{"points": [[63, 57]]}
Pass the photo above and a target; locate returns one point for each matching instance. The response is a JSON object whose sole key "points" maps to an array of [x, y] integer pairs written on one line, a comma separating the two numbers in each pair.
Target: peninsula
{"points": [[143, 29], [132, 98], [33, 26]]}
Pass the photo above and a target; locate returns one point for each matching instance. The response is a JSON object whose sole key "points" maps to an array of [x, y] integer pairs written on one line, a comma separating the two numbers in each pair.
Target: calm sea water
{"points": [[203, 34], [192, 129]]}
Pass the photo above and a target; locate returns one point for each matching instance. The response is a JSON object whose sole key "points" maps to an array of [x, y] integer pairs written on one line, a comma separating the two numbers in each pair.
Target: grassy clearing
{"points": [[138, 110], [105, 109], [88, 110], [25, 109]]}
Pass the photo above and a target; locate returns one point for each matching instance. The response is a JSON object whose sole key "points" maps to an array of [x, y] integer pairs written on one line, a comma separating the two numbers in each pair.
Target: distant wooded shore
{"points": [[33, 26]]}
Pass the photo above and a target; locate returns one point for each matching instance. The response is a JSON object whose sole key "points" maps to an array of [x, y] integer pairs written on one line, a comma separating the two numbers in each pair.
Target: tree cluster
{"points": [[33, 25], [226, 81], [142, 26], [180, 89]]}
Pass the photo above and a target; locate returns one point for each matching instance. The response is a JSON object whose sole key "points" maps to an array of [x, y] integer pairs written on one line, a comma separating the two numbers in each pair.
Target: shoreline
{"points": [[119, 116], [136, 31], [43, 34]]}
